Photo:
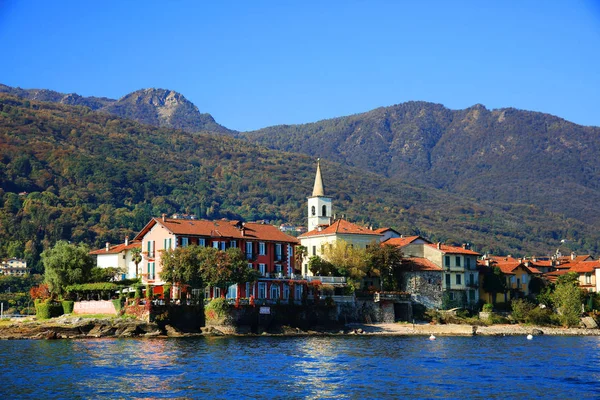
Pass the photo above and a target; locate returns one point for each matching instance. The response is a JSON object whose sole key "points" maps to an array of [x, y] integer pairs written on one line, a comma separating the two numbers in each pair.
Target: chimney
{"points": [[573, 255], [439, 245], [401, 236], [243, 230], [164, 217], [487, 262], [464, 246], [126, 240], [107, 246]]}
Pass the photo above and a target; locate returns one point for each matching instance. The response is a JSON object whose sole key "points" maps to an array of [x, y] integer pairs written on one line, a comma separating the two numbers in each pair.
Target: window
{"points": [[472, 279], [468, 262], [298, 292], [588, 278], [278, 268], [524, 278], [314, 250], [278, 255], [447, 261], [151, 248], [448, 280], [223, 246], [471, 295], [262, 269], [167, 244], [324, 211], [249, 290], [232, 292], [201, 242], [458, 279], [313, 211], [458, 261], [250, 265], [262, 290], [216, 245], [262, 249], [286, 291], [216, 292], [248, 249], [274, 291], [151, 270], [233, 244], [184, 242]]}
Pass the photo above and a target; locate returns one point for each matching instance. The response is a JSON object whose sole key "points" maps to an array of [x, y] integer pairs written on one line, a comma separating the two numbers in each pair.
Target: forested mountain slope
{"points": [[158, 107], [504, 155], [70, 173]]}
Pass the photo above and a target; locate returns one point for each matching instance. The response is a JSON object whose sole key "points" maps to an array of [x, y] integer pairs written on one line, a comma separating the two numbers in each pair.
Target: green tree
{"points": [[567, 299], [184, 265], [66, 264], [385, 261], [136, 258], [348, 260], [494, 282], [225, 268], [320, 267]]}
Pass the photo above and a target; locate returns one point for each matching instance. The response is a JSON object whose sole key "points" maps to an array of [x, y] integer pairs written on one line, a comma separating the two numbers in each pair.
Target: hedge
{"points": [[67, 306], [46, 310]]}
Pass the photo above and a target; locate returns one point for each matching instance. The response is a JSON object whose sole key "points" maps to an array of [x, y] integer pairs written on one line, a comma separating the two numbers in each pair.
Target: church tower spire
{"points": [[318, 188], [319, 206]]}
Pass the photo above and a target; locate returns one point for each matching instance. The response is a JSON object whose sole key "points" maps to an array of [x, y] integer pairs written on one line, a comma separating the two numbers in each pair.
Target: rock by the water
{"points": [[537, 332]]}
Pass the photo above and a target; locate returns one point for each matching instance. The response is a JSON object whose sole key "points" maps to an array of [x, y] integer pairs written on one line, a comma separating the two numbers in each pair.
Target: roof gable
{"points": [[341, 227]]}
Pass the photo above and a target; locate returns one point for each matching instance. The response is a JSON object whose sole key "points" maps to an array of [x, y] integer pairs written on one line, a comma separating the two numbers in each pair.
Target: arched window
{"points": [[313, 210], [324, 211]]}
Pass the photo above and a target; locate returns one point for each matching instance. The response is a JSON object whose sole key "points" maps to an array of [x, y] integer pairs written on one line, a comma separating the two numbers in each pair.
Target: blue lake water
{"points": [[365, 367]]}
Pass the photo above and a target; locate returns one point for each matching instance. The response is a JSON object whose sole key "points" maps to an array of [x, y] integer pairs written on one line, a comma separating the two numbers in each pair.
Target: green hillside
{"points": [[67, 172], [504, 155]]}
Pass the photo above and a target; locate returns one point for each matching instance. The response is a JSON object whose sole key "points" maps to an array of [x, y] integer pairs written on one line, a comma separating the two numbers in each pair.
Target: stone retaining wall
{"points": [[94, 307]]}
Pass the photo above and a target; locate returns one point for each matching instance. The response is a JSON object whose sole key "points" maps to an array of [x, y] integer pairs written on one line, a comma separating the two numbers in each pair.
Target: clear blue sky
{"points": [[256, 63]]}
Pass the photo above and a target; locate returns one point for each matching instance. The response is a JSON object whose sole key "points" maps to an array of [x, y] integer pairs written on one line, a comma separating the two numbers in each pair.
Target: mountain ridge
{"points": [[158, 107], [503, 154]]}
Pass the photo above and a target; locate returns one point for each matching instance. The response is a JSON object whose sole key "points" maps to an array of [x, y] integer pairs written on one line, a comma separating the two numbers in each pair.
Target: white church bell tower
{"points": [[319, 206]]}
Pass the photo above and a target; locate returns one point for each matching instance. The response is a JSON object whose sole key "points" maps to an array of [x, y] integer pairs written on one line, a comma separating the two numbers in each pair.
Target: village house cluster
{"points": [[436, 275]]}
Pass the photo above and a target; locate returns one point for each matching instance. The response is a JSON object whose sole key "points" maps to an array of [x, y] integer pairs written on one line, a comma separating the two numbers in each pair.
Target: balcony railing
{"points": [[377, 297], [327, 279]]}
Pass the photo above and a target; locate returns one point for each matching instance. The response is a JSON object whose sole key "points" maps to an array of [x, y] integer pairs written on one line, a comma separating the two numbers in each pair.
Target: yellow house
{"points": [[517, 272]]}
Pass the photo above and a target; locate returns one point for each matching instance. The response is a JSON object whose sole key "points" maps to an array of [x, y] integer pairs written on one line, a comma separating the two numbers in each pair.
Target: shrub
{"points": [[488, 307], [433, 315], [67, 306], [138, 292], [217, 309], [498, 319], [521, 309], [539, 316], [118, 303]]}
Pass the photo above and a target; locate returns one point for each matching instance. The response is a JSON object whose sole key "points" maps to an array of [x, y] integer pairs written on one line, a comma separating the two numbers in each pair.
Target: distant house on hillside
{"points": [[14, 266]]}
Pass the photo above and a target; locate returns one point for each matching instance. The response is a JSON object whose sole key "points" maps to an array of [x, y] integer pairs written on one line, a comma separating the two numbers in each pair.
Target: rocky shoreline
{"points": [[69, 327]]}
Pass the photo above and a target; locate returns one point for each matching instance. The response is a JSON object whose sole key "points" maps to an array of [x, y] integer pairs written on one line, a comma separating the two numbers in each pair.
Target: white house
{"points": [[118, 256]]}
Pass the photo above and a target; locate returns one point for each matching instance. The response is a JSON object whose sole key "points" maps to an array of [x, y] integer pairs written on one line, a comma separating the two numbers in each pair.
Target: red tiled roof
{"points": [[453, 249], [401, 242], [220, 228], [583, 257], [383, 230], [585, 267], [341, 226], [116, 249], [422, 264]]}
